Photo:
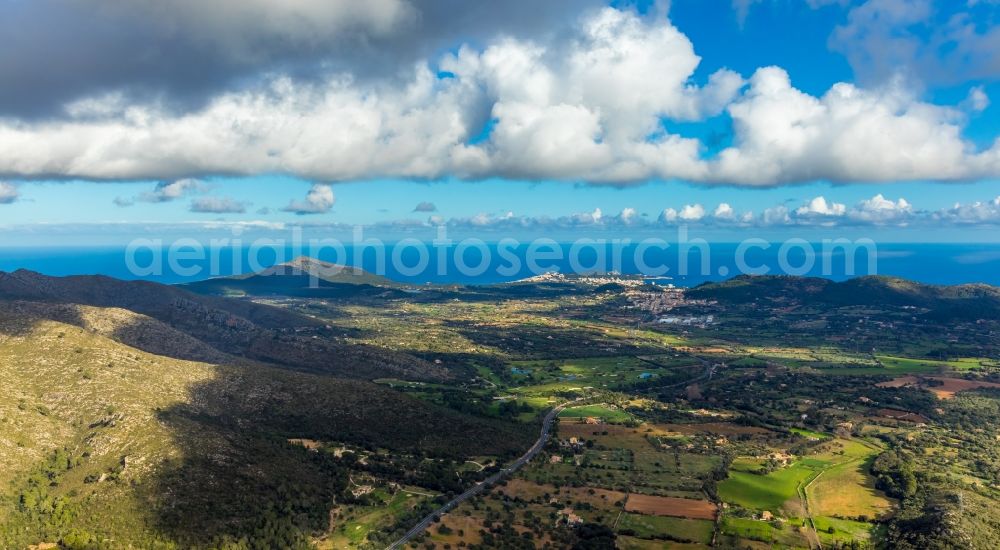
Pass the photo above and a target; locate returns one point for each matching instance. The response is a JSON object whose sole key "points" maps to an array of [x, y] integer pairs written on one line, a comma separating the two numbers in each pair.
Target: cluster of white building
{"points": [[687, 321]]}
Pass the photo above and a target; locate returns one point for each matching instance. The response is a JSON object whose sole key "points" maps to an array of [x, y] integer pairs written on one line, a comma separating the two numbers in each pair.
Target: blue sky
{"points": [[387, 200], [603, 119]]}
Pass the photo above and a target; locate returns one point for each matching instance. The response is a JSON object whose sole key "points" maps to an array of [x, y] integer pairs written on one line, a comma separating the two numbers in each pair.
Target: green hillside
{"points": [[934, 302]]}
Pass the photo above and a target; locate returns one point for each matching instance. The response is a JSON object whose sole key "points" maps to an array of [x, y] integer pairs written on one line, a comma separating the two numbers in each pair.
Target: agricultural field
{"points": [[846, 489], [595, 476], [602, 412], [666, 528], [910, 366], [834, 531], [671, 506], [776, 491], [742, 532]]}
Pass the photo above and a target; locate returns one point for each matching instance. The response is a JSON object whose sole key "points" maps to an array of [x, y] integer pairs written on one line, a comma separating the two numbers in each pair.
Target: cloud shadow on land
{"points": [[237, 476]]}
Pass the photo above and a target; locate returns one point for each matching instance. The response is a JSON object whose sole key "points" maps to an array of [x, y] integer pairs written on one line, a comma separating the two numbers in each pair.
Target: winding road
{"points": [[481, 486]]}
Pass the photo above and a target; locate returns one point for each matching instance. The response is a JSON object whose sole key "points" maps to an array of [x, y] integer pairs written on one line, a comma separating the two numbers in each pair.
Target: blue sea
{"points": [[493, 263]]}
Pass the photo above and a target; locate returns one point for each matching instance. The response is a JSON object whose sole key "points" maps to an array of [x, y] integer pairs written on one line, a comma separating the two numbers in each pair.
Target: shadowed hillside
{"points": [[101, 441], [235, 327]]}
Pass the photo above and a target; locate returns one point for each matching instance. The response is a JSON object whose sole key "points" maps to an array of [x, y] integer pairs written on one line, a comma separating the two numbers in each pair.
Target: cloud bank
{"points": [[588, 104], [877, 211]]}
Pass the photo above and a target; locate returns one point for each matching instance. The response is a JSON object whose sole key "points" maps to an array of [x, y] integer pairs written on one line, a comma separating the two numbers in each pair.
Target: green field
{"points": [[596, 411], [898, 366], [905, 364], [846, 489], [658, 527], [748, 528], [843, 530], [771, 491], [783, 535]]}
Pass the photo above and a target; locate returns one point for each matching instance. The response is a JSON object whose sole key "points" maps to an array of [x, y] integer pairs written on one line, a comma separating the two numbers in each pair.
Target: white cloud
{"points": [[979, 212], [819, 207], [724, 212], [588, 218], [692, 213], [628, 216], [585, 115], [849, 134], [484, 220], [481, 219], [776, 215], [170, 191], [425, 207], [319, 200], [880, 210], [8, 192], [218, 205], [610, 68], [977, 101], [817, 212]]}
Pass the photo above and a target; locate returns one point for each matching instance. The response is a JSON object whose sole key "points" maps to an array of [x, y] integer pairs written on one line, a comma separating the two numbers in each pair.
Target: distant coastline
{"points": [[943, 264]]}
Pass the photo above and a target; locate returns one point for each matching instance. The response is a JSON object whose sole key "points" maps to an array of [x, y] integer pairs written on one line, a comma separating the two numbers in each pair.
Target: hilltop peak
{"points": [[317, 268], [303, 275], [308, 262]]}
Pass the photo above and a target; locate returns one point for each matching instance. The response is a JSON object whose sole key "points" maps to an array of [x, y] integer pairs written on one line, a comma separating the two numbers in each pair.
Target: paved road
{"points": [[515, 466]]}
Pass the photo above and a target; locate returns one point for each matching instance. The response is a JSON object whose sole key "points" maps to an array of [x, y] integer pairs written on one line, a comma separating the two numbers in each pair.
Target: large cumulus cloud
{"points": [[848, 134], [587, 104]]}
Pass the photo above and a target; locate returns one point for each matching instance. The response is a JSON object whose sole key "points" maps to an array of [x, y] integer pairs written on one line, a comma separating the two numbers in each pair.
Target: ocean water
{"points": [[493, 263]]}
